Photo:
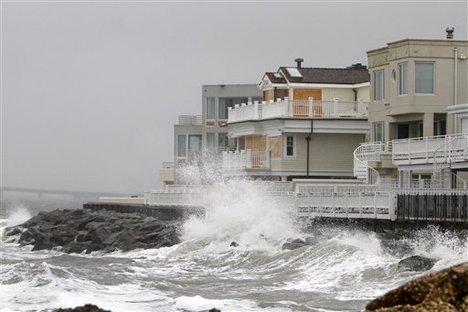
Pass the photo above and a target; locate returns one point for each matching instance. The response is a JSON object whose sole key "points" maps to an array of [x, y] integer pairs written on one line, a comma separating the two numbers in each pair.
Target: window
{"points": [[378, 88], [289, 145], [194, 144], [378, 132], [181, 145], [210, 108], [210, 140], [424, 77], [403, 78]]}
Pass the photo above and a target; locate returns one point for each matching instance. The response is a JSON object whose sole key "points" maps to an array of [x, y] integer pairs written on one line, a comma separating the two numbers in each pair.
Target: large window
{"points": [[424, 77], [182, 145], [403, 78], [194, 144], [378, 87], [224, 103], [210, 108], [289, 145], [378, 132]]}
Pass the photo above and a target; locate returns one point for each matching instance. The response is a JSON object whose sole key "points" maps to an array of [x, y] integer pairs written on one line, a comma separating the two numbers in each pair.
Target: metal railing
{"points": [[444, 149], [246, 159], [298, 109]]}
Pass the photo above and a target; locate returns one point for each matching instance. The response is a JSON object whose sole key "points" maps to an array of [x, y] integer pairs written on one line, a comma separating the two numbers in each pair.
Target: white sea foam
{"points": [[237, 211]]}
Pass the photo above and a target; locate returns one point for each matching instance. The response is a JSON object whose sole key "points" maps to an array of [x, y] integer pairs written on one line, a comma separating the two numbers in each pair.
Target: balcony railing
{"points": [[190, 120], [298, 109], [246, 159], [431, 150]]}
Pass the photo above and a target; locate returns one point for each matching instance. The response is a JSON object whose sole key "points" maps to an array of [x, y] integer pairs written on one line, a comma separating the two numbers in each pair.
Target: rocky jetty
{"points": [[446, 290], [78, 230]]}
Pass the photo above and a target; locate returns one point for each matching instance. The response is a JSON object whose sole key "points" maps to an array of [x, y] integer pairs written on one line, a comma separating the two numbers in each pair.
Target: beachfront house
{"points": [[308, 124], [418, 114], [202, 137]]}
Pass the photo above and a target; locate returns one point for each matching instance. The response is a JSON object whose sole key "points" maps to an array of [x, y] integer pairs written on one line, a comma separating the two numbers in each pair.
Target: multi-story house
{"points": [[416, 137], [216, 100], [308, 124], [203, 137]]}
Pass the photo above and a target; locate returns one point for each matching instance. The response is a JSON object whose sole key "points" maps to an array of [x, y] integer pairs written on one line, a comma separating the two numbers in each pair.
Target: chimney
{"points": [[450, 31], [299, 61]]}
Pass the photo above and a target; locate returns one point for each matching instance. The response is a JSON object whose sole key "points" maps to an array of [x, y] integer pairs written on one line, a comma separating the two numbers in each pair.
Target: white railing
{"points": [[190, 120], [334, 201], [362, 155], [439, 150], [186, 198], [243, 112], [298, 109], [246, 159], [350, 205]]}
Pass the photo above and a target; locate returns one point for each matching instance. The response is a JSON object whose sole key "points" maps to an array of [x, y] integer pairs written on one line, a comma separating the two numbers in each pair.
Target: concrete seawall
{"points": [[160, 212]]}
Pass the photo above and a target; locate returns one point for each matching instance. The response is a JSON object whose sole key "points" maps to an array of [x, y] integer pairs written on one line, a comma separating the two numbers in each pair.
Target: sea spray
{"points": [[242, 211]]}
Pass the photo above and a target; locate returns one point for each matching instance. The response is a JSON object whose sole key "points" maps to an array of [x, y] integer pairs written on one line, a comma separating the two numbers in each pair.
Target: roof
{"points": [[325, 75], [275, 77]]}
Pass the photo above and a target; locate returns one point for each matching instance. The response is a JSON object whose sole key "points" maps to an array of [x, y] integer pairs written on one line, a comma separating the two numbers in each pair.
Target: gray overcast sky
{"points": [[91, 90]]}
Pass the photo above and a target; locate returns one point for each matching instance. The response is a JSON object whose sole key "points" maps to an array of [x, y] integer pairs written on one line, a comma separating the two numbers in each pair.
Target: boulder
{"points": [[446, 290], [416, 263], [234, 244], [293, 244]]}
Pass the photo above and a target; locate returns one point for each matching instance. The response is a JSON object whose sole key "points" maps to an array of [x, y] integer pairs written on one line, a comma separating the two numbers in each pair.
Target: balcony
{"points": [[286, 108], [438, 150], [246, 159]]}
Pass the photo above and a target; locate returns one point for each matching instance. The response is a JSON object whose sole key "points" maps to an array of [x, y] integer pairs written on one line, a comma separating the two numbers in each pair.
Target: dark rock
{"points": [[416, 263], [85, 230], [446, 290], [13, 231], [291, 246], [85, 308], [234, 244]]}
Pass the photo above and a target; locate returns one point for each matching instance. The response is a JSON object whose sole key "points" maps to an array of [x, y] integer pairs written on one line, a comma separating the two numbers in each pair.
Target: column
{"points": [[428, 124]]}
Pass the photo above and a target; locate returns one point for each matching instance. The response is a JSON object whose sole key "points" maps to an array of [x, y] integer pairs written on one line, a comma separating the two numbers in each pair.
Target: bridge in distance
{"points": [[75, 194]]}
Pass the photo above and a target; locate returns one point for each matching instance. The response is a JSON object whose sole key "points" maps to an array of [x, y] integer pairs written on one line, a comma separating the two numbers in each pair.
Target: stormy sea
{"points": [[342, 271]]}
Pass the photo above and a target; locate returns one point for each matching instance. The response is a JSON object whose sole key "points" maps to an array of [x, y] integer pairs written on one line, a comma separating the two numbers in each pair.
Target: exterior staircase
{"points": [[363, 154]]}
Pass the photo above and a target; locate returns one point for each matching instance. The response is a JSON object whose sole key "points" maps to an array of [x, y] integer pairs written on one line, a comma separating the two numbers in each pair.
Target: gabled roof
{"points": [[325, 75]]}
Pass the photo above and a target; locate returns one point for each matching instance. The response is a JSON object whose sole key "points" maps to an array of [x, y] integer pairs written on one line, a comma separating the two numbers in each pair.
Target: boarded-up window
{"points": [[305, 94], [268, 95], [255, 143], [275, 146]]}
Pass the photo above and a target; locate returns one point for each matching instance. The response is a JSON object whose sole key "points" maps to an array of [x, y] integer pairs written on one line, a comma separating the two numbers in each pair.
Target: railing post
{"points": [[311, 106], [335, 106]]}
